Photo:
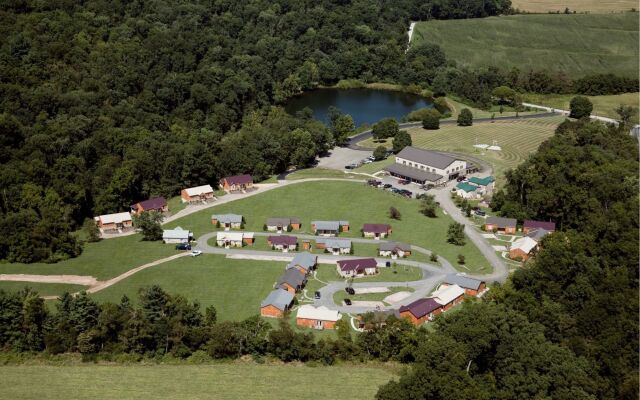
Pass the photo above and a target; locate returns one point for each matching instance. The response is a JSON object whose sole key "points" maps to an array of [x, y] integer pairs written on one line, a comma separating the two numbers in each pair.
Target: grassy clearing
{"points": [[175, 204], [234, 287], [401, 273], [603, 106], [322, 173], [44, 289], [494, 111], [518, 139], [577, 45], [225, 381], [339, 296], [600, 6], [354, 202]]}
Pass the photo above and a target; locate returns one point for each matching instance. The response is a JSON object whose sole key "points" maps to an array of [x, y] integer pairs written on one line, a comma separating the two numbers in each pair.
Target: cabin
{"points": [[334, 246], [292, 280], [236, 183], [394, 249], [283, 243], [329, 228], [357, 267], [522, 248], [448, 296], [228, 221], [537, 234], [530, 225], [317, 317], [471, 286], [421, 311], [424, 166], [502, 225], [304, 262], [376, 231], [198, 194], [276, 303], [467, 191], [485, 185], [158, 204], [234, 239], [177, 235], [281, 224], [114, 223]]}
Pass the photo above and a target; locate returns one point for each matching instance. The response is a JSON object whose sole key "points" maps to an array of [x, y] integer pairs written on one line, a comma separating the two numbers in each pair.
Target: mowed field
{"points": [[185, 382], [603, 106], [602, 6], [576, 44]]}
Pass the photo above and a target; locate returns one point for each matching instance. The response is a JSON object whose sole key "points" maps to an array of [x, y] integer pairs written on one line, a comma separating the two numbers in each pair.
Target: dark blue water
{"points": [[366, 106]]}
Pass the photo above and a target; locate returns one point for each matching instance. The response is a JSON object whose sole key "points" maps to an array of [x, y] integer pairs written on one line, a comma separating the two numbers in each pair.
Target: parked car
{"points": [[480, 213], [404, 182], [372, 158], [183, 246], [461, 178], [350, 290], [347, 302], [366, 161], [387, 185], [316, 295], [387, 264], [350, 166], [196, 253]]}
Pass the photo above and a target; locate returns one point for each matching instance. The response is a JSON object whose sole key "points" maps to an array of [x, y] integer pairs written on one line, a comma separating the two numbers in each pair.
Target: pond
{"points": [[366, 106]]}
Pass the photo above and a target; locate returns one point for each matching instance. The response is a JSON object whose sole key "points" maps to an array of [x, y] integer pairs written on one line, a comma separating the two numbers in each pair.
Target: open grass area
{"points": [[600, 6], [578, 45], [234, 287], [517, 139], [44, 289], [322, 173], [335, 200], [401, 273], [603, 106], [175, 204], [224, 381], [457, 106], [339, 296], [104, 259]]}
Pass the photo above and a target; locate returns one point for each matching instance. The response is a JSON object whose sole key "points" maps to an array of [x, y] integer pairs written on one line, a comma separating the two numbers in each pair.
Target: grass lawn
{"points": [[224, 381], [44, 289], [375, 166], [234, 287], [354, 202], [175, 204], [341, 295], [602, 6], [603, 106], [401, 273], [103, 260], [577, 45], [457, 106], [322, 173]]}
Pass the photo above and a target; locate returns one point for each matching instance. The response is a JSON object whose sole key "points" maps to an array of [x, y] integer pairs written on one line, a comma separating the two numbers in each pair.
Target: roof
{"points": [[357, 264], [228, 218], [446, 295], [282, 221], [526, 244], [466, 187], [463, 281], [413, 173], [322, 313], [376, 228], [293, 277], [426, 157], [233, 236], [238, 179], [329, 225], [421, 307], [115, 218], [198, 190], [151, 204], [390, 246], [305, 260], [283, 240], [486, 181], [335, 243], [501, 222], [547, 225], [537, 234], [177, 233], [278, 298]]}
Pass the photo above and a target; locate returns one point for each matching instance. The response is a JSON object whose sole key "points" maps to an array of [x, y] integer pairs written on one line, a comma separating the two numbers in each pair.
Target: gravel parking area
{"points": [[341, 156]]}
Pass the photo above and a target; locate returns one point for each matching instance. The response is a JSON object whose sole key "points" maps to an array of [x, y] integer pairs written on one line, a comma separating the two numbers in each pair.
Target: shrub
{"points": [[433, 257], [380, 153], [431, 120], [465, 118], [580, 107], [461, 259]]}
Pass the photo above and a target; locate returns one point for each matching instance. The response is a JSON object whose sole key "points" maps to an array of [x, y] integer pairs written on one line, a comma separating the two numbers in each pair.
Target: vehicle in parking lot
{"points": [[350, 290], [372, 158], [196, 253], [387, 185], [316, 295], [480, 213], [366, 161], [183, 246], [461, 178], [347, 302], [350, 166], [404, 182]]}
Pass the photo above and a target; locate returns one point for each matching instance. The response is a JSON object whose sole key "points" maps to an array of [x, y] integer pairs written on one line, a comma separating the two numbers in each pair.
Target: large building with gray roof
{"points": [[425, 166]]}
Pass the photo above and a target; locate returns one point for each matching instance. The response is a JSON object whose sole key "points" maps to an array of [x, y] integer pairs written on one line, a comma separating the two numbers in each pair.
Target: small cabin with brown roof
{"points": [[357, 267], [421, 311], [376, 231], [112, 223], [471, 286], [502, 225], [280, 224], [276, 303], [530, 225], [198, 194], [236, 183], [158, 204], [283, 242]]}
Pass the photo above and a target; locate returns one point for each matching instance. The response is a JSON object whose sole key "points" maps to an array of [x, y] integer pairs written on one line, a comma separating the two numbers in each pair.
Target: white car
{"points": [[196, 253]]}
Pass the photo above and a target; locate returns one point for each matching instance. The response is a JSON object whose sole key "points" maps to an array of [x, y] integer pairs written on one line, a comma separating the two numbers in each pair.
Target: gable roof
{"points": [[335, 243], [233, 236], [463, 281], [391, 246], [292, 277], [486, 181], [282, 221], [537, 234], [305, 260], [283, 240], [279, 298], [426, 157], [322, 313], [445, 295], [238, 179], [376, 228], [329, 225], [413, 173], [421, 307], [198, 190], [357, 264], [151, 204], [526, 244], [501, 222], [177, 233], [114, 218], [547, 225], [466, 187], [228, 218]]}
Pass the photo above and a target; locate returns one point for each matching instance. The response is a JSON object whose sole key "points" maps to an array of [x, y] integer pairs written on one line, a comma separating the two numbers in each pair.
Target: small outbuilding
{"points": [[394, 249], [283, 242], [227, 221], [281, 224], [376, 231], [467, 191], [329, 228], [357, 267]]}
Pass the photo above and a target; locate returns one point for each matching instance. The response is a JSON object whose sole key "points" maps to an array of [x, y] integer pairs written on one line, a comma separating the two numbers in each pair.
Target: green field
{"points": [[225, 381], [517, 139], [603, 106], [322, 173], [602, 6], [341, 295], [577, 45], [350, 201], [401, 273], [44, 289]]}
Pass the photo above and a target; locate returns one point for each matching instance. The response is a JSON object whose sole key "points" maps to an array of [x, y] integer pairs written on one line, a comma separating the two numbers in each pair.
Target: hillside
{"points": [[576, 45], [602, 6]]}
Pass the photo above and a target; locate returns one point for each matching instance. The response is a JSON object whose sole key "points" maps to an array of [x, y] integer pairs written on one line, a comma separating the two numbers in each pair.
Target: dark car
{"points": [[403, 182], [387, 185], [350, 290], [183, 246], [350, 166], [461, 178], [347, 302], [316, 295], [480, 213]]}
